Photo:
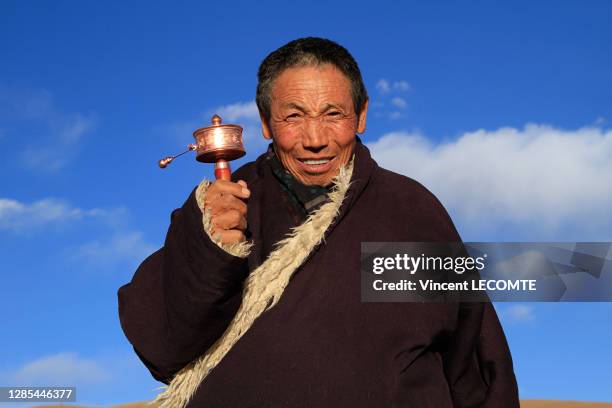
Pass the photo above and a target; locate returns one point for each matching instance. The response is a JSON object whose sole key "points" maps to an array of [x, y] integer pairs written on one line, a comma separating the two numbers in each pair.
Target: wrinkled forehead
{"points": [[320, 84]]}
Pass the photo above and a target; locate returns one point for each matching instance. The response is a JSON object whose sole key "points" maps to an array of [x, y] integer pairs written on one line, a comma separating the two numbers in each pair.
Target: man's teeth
{"points": [[321, 161]]}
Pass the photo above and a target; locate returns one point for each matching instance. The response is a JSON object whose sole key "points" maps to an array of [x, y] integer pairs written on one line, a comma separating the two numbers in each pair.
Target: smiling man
{"points": [[313, 122], [254, 300]]}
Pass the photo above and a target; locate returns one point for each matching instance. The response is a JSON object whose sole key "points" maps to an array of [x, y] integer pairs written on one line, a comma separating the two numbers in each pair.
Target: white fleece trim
{"points": [[239, 249], [262, 290]]}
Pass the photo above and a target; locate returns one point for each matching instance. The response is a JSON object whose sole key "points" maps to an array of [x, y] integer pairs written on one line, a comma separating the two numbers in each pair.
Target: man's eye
{"points": [[292, 116], [334, 114]]}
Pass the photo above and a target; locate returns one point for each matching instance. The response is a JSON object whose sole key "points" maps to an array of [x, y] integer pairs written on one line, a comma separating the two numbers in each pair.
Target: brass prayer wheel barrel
{"points": [[218, 143]]}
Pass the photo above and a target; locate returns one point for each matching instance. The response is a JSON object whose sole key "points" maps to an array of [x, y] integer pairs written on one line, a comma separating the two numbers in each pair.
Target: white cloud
{"points": [[56, 135], [238, 111], [399, 102], [383, 86], [74, 127], [58, 152], [517, 314], [123, 245], [539, 179], [18, 217], [61, 369], [45, 158], [600, 121], [388, 104], [401, 86]]}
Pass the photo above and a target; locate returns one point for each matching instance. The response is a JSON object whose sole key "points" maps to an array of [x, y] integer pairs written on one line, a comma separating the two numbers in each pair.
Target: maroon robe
{"points": [[320, 346]]}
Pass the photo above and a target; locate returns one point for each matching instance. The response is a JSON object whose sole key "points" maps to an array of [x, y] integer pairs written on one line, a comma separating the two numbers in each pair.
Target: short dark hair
{"points": [[306, 52]]}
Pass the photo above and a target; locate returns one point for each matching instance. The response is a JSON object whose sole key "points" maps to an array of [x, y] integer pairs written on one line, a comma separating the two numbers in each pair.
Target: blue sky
{"points": [[502, 110]]}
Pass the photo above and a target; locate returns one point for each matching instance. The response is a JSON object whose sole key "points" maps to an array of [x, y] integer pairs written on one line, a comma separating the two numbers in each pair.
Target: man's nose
{"points": [[315, 136]]}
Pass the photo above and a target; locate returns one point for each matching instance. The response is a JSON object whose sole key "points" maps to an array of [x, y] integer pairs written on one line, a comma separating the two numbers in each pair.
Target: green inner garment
{"points": [[305, 198]]}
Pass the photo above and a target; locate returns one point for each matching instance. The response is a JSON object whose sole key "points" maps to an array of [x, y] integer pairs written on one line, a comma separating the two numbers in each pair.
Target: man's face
{"points": [[313, 122]]}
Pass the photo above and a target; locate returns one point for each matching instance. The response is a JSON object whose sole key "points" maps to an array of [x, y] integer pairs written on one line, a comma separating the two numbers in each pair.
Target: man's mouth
{"points": [[315, 161], [316, 165]]}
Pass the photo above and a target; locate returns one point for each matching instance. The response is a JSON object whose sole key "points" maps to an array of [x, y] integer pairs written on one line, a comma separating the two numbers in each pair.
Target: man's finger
{"points": [[228, 187], [224, 203], [231, 236], [228, 220]]}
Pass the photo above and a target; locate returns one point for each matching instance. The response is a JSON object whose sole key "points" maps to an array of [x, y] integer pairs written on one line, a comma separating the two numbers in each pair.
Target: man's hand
{"points": [[228, 210]]}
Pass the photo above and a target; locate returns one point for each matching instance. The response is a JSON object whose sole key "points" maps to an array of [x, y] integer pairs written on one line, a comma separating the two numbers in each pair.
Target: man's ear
{"points": [[265, 126], [361, 121]]}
